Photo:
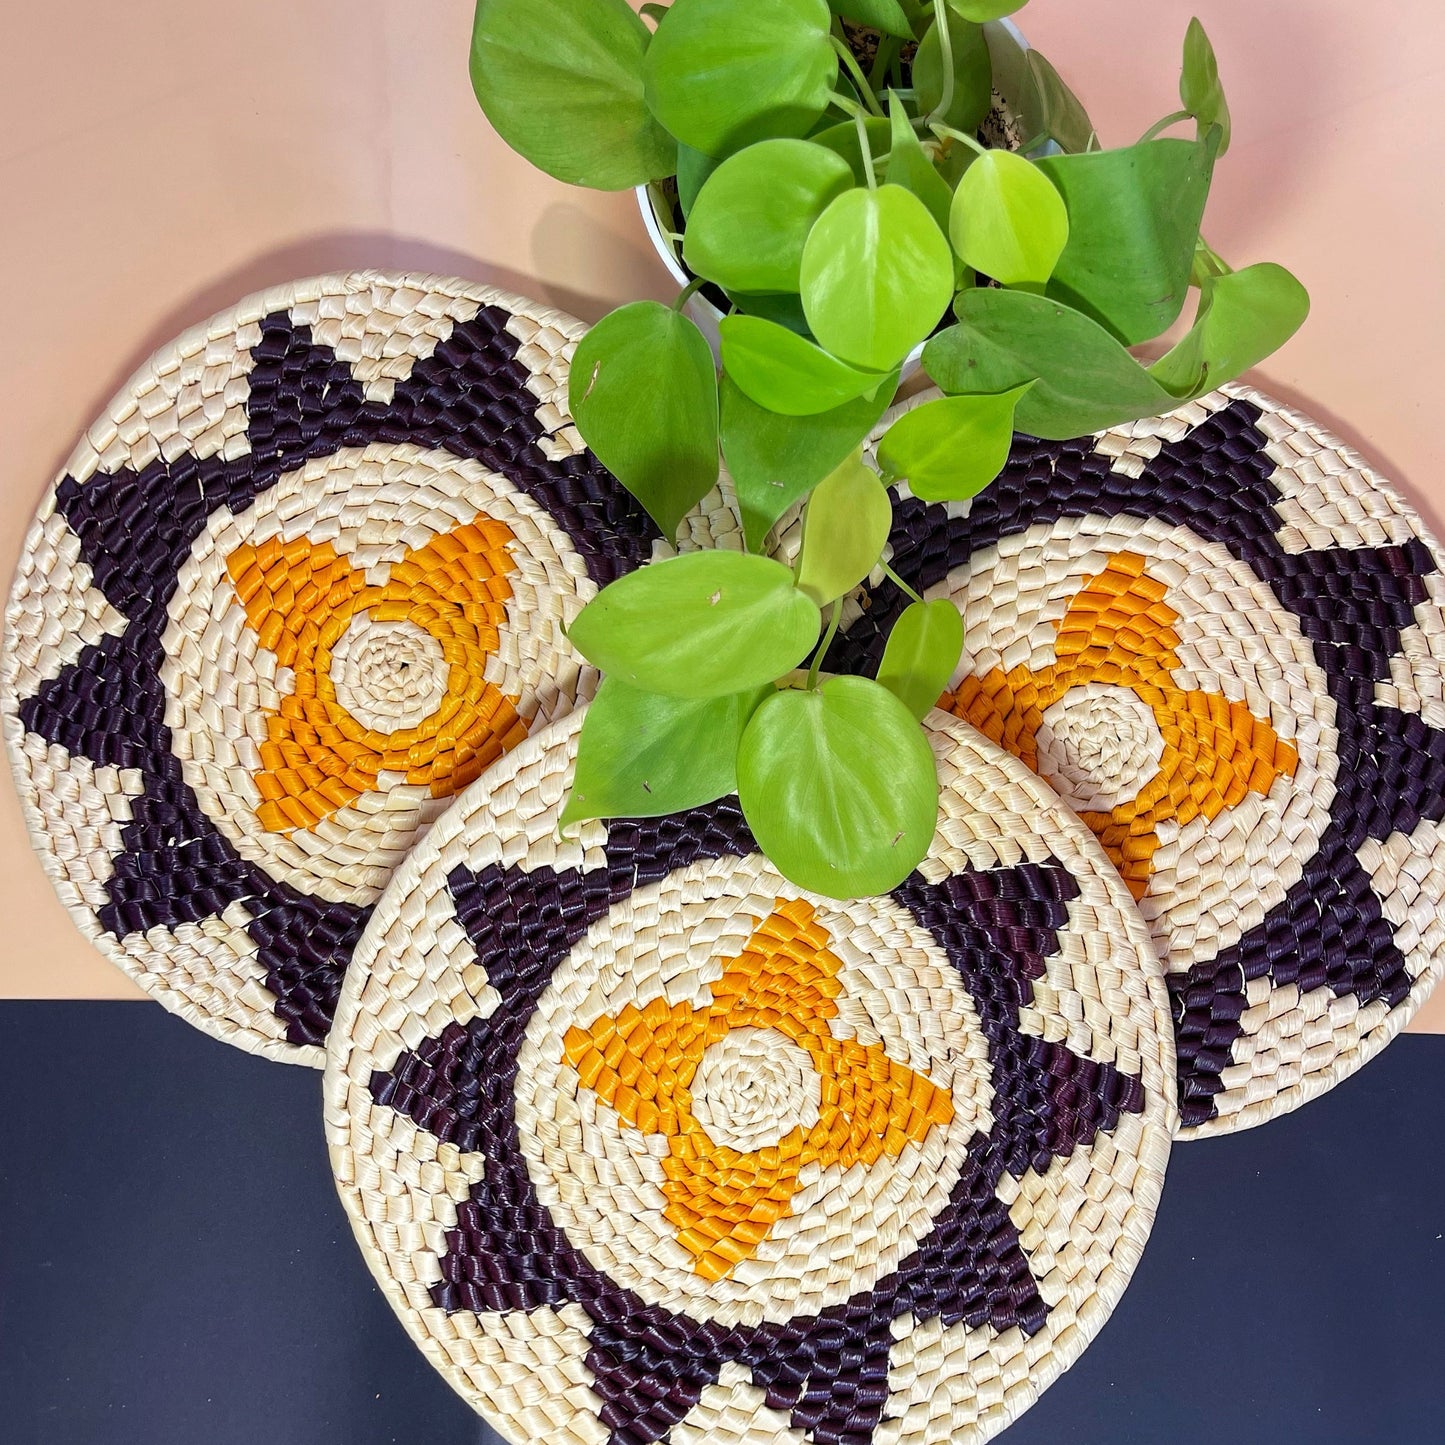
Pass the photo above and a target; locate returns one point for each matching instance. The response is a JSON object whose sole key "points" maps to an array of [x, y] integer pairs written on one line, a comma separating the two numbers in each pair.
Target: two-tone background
{"points": [[173, 1263]]}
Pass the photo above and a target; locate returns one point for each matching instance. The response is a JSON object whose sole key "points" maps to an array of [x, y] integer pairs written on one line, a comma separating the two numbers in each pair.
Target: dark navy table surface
{"points": [[175, 1267]]}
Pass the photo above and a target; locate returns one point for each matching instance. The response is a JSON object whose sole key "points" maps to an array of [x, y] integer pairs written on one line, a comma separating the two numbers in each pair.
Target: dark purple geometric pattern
{"points": [[469, 398], [827, 1371], [1352, 603]]}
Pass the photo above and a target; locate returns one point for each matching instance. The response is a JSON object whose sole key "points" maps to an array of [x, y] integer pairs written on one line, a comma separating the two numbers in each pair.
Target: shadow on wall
{"points": [[561, 233], [350, 251], [573, 239]]}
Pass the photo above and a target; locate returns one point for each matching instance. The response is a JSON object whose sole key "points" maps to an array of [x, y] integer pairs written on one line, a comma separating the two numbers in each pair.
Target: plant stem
{"points": [[945, 48], [866, 147], [899, 583], [888, 49], [972, 142], [1161, 126], [847, 105], [865, 90], [1215, 263], [825, 644], [895, 69], [688, 292]]}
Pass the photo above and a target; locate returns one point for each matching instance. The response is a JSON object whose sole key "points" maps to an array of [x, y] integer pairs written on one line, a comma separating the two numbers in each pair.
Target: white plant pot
{"points": [[699, 308]]}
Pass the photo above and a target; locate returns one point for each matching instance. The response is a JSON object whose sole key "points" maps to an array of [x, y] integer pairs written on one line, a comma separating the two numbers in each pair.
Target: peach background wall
{"points": [[162, 158]]}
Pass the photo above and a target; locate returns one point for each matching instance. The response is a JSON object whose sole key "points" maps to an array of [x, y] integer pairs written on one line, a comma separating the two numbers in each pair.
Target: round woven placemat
{"points": [[643, 1143], [1220, 636], [302, 582]]}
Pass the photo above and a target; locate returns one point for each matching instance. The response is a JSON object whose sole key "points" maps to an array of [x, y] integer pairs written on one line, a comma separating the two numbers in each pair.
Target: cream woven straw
{"points": [[643, 1143], [301, 583], [1220, 636]]}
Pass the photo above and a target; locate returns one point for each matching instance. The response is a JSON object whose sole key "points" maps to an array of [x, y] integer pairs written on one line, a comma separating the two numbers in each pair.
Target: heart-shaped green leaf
{"points": [[982, 11], [1199, 86], [839, 787], [573, 107], [909, 166], [922, 652], [643, 392], [1061, 114], [1008, 220], [776, 460], [700, 625], [643, 755], [786, 373], [972, 75], [877, 274], [1086, 380], [884, 15], [843, 139], [747, 227], [1243, 318], [720, 74], [1133, 221], [952, 448], [693, 169], [782, 308], [845, 529]]}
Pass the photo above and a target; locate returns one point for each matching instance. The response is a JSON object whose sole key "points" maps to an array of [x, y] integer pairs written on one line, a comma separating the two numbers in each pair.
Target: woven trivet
{"points": [[1220, 637], [301, 583], [643, 1143]]}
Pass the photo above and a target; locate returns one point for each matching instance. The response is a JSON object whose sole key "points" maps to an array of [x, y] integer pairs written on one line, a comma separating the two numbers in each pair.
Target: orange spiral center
{"points": [[301, 597], [723, 1201], [1119, 631]]}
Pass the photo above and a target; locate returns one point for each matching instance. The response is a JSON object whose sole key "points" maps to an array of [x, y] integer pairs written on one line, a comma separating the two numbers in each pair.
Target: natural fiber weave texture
{"points": [[304, 580], [1220, 636], [643, 1143]]}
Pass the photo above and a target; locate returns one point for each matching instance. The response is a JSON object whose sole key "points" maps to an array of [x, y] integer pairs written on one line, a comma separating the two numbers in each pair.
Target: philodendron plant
{"points": [[842, 181]]}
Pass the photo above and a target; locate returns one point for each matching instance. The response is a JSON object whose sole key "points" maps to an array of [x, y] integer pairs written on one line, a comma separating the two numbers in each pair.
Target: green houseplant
{"points": [[837, 196]]}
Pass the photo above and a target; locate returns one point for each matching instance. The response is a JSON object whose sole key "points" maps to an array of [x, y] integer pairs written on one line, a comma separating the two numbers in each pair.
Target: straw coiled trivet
{"points": [[643, 1143], [1220, 636], [302, 582]]}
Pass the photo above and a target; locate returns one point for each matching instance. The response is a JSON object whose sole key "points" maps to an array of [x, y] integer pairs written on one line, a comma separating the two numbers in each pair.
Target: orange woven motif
{"points": [[301, 597], [723, 1202], [1119, 631]]}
